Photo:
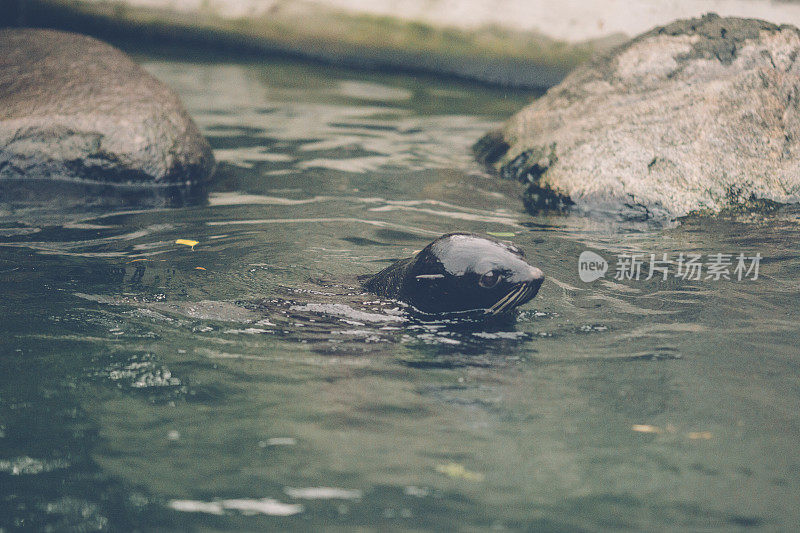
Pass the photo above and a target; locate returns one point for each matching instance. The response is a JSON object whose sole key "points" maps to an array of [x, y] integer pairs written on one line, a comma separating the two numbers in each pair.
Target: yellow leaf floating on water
{"points": [[501, 234], [458, 471], [187, 242], [645, 428], [199, 268]]}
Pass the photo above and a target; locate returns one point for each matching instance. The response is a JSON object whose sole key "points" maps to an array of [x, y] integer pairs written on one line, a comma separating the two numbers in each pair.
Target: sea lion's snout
{"points": [[534, 281]]}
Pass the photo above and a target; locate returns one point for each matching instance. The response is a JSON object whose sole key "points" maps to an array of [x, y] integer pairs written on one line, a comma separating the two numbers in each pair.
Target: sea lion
{"points": [[458, 273]]}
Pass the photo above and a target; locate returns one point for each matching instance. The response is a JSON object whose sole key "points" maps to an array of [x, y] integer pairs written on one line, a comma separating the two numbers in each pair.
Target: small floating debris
{"points": [[458, 471], [646, 428], [191, 506], [277, 441], [417, 492], [248, 507], [266, 506], [323, 493], [187, 242], [693, 435]]}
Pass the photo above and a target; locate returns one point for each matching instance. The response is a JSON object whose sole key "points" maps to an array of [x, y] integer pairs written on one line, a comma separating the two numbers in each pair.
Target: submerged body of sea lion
{"points": [[458, 273]]}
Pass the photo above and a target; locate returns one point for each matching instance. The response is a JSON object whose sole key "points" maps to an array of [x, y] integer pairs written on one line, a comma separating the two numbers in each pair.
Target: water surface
{"points": [[247, 382]]}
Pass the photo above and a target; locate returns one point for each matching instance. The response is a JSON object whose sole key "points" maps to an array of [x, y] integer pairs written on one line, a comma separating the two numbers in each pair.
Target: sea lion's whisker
{"points": [[508, 300], [529, 288], [512, 302], [499, 304], [517, 298], [521, 295]]}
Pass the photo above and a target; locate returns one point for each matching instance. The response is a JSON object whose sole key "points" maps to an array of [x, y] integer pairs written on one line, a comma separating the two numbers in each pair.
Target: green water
{"points": [[247, 383]]}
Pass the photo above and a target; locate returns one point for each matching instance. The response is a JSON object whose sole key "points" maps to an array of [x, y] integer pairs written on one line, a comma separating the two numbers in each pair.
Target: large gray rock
{"points": [[74, 109], [699, 115]]}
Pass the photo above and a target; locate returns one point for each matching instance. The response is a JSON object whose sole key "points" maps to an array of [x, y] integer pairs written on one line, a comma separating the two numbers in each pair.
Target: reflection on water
{"points": [[248, 382]]}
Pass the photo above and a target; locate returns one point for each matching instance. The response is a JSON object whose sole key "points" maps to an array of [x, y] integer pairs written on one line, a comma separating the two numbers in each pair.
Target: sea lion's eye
{"points": [[489, 280]]}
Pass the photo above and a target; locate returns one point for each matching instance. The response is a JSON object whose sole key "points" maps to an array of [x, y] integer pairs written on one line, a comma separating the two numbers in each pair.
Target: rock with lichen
{"points": [[699, 115], [77, 113]]}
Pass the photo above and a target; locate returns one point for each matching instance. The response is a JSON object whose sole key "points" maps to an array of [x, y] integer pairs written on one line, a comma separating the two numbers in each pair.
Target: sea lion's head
{"points": [[462, 272]]}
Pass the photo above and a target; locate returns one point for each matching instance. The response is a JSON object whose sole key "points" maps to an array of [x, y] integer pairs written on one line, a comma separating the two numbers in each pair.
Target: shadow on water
{"points": [[64, 196]]}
